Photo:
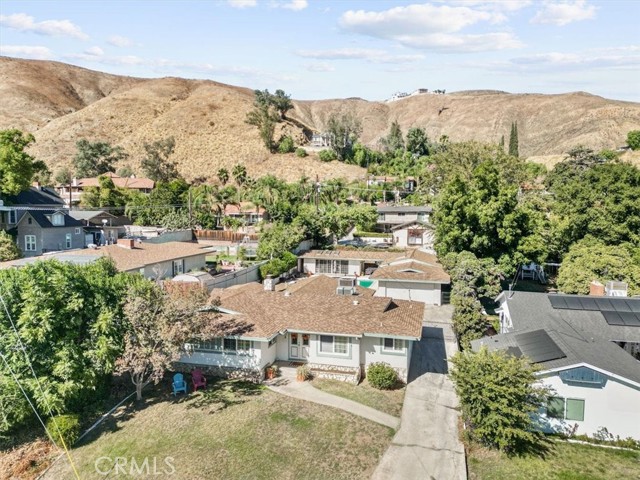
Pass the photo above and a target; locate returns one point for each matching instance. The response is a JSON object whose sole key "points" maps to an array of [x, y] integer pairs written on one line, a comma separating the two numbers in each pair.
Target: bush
{"points": [[66, 425], [382, 376], [278, 266], [286, 145], [327, 155], [633, 139], [301, 152]]}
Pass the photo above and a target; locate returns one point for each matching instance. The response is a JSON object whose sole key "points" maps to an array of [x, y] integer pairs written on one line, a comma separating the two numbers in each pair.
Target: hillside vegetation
{"points": [[61, 103]]}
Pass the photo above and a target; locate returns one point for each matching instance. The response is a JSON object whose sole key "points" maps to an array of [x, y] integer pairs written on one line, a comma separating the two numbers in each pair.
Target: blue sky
{"points": [[316, 49]]}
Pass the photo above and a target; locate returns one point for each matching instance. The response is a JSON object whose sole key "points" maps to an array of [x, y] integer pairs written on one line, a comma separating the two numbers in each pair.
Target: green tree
{"points": [[239, 173], [417, 142], [513, 140], [9, 250], [223, 176], [344, 131], [17, 167], [125, 172], [278, 239], [157, 164], [265, 118], [499, 395], [282, 102], [96, 158], [105, 195], [327, 155], [394, 140], [633, 139], [589, 260], [286, 145], [501, 144]]}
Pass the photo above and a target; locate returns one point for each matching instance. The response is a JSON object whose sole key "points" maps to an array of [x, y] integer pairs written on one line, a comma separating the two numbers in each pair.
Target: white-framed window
{"points": [[332, 266], [78, 231], [224, 345], [57, 219], [394, 345], [334, 345], [178, 267], [67, 241], [12, 217], [29, 243], [566, 408]]}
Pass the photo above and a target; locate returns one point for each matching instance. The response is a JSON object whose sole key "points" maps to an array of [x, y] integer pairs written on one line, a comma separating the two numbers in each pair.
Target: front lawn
{"points": [[563, 461], [388, 401], [234, 430]]}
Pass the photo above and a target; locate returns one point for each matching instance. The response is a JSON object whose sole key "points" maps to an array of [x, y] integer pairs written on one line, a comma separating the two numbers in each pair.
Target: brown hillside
{"points": [[60, 104]]}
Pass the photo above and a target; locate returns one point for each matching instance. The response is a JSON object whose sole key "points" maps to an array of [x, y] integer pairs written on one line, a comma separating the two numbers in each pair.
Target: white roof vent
{"points": [[616, 289]]}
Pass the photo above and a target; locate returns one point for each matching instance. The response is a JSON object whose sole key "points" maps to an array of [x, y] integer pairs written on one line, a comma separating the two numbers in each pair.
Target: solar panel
{"points": [[630, 319], [538, 346], [604, 304], [515, 351], [613, 318], [620, 305], [573, 303], [557, 301], [634, 305], [589, 303]]}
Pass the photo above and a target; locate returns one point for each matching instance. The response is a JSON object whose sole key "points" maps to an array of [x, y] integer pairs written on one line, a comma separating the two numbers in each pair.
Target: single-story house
{"points": [[249, 213], [582, 345], [41, 231], [415, 276], [342, 262], [390, 216], [103, 227], [336, 330], [73, 193], [413, 234]]}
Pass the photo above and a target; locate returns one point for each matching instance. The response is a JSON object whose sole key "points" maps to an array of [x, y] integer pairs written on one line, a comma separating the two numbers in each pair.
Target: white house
{"points": [[390, 216], [337, 331], [577, 341], [413, 234], [342, 262]]}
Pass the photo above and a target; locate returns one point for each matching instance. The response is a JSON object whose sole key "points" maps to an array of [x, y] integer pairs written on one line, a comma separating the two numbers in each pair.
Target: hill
{"points": [[61, 103]]}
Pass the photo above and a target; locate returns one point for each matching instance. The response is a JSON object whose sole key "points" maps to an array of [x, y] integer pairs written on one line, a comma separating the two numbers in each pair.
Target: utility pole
{"points": [[317, 193], [189, 206]]}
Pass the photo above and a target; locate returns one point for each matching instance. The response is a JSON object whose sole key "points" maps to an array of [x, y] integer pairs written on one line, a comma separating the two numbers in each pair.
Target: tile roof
{"points": [[133, 183], [309, 306], [583, 335]]}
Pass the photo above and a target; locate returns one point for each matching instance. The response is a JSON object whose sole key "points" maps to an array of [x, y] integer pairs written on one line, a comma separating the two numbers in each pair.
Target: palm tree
{"points": [[223, 176]]}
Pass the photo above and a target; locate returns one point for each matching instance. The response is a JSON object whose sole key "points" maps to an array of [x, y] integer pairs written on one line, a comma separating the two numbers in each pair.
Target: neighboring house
{"points": [[415, 276], [246, 211], [390, 216], [320, 140], [41, 231], [577, 342], [34, 198], [413, 234], [342, 262], [337, 331], [73, 193], [103, 227]]}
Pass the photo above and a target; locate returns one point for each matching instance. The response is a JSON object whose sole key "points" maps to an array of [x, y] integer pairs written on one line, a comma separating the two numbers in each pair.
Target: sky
{"points": [[316, 49]]}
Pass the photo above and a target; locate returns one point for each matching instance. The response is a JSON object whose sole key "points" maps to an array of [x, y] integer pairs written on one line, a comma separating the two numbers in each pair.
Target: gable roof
{"points": [[134, 183], [405, 209], [412, 270], [43, 219], [310, 307], [89, 214], [344, 254], [35, 196], [419, 224]]}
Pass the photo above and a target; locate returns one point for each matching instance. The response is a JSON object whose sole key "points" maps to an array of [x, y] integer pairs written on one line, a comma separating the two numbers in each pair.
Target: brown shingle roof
{"points": [[419, 272], [379, 256], [311, 308], [122, 182]]}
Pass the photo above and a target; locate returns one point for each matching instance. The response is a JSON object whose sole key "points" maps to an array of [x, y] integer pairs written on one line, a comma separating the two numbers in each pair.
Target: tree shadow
{"points": [[221, 394]]}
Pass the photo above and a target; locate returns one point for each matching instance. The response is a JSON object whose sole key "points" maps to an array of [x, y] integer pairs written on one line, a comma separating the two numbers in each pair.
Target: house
{"points": [[342, 262], [103, 227], [390, 216], [34, 198], [582, 345], [413, 234], [249, 213], [41, 231], [320, 140], [416, 276], [73, 193], [336, 330]]}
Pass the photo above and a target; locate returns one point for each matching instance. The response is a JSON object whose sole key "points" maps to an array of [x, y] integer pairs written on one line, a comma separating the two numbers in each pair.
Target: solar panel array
{"points": [[616, 311], [538, 346]]}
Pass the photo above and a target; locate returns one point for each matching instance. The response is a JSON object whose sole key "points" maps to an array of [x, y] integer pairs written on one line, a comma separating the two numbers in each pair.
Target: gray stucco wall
{"points": [[48, 239]]}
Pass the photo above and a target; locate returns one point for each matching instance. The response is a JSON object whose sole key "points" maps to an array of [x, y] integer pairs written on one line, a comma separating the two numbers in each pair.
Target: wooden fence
{"points": [[225, 235]]}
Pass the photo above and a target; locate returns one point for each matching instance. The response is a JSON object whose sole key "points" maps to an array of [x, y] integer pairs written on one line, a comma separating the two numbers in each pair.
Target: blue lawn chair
{"points": [[179, 385]]}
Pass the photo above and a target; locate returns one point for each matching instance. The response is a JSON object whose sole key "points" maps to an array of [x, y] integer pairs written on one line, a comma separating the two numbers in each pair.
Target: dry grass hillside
{"points": [[60, 104]]}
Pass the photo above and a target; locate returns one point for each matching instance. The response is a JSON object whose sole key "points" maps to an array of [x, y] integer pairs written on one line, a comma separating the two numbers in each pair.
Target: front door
{"points": [[298, 345]]}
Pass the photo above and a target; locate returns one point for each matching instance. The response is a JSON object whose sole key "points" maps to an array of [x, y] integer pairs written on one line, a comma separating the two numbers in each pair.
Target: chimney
{"points": [[269, 284], [126, 243], [74, 182], [596, 289]]}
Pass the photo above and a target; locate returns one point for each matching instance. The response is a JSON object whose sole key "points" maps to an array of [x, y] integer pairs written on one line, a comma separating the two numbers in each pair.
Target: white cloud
{"points": [[119, 41], [583, 60], [370, 55], [563, 13], [502, 5], [26, 23], [295, 5], [319, 67], [431, 27], [26, 51], [242, 3], [94, 56], [96, 51]]}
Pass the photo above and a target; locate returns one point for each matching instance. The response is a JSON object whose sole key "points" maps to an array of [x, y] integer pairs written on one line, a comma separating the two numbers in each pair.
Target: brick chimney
{"points": [[130, 242], [596, 289]]}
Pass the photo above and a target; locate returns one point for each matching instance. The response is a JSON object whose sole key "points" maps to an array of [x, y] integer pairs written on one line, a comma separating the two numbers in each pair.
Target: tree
{"points": [[633, 139], [286, 145], [513, 140], [265, 118], [278, 239], [157, 164], [106, 194], [239, 173], [125, 172], [501, 144], [417, 142], [589, 260], [282, 102], [344, 131], [393, 141], [96, 158], [223, 176], [499, 394], [159, 326], [9, 250], [17, 167]]}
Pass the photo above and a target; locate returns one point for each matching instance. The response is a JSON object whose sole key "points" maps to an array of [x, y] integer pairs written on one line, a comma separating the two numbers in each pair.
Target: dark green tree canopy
{"points": [[157, 164], [17, 167], [8, 248], [513, 140], [344, 131], [417, 142], [633, 139], [96, 158]]}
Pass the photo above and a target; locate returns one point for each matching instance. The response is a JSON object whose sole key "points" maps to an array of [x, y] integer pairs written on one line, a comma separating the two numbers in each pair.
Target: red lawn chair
{"points": [[198, 379]]}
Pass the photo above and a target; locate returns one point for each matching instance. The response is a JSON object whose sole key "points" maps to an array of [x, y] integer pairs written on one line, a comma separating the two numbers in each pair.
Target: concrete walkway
{"points": [[288, 385], [427, 444]]}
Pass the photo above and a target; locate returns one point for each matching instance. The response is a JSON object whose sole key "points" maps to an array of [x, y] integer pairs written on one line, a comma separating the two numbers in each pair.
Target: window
{"points": [[401, 214], [224, 345], [78, 230], [393, 345], [67, 241], [334, 345], [57, 219], [30, 243], [566, 408], [178, 267], [12, 217], [29, 220], [332, 266]]}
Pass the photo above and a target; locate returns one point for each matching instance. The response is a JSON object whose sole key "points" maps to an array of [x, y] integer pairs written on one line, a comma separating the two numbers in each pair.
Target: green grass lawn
{"points": [[235, 430], [564, 461], [388, 401]]}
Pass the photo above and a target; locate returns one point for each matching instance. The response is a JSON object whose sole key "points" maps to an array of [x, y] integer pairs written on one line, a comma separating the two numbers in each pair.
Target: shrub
{"points": [[301, 152], [278, 266], [66, 425], [286, 145], [633, 139], [327, 155], [303, 372], [382, 376]]}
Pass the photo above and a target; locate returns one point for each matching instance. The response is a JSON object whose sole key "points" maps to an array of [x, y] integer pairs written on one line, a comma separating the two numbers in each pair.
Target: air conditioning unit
{"points": [[346, 291], [616, 289], [347, 282]]}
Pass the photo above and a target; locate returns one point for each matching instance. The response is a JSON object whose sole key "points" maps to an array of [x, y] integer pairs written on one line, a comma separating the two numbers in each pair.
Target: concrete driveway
{"points": [[427, 445]]}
